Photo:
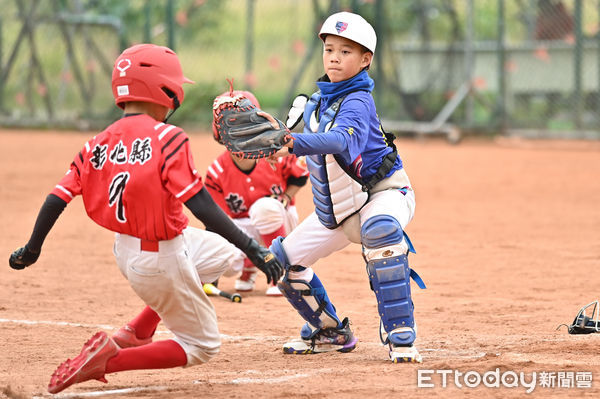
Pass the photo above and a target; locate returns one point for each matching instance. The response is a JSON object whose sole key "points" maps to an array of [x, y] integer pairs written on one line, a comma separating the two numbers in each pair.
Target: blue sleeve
{"points": [[331, 142], [353, 122], [348, 136]]}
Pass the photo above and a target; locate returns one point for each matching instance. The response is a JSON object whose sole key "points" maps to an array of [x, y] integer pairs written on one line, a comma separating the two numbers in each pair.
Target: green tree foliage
{"points": [[195, 20]]}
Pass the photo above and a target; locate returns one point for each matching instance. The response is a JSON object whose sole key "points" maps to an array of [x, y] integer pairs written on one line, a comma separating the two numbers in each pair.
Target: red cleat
{"points": [[125, 337], [90, 364]]}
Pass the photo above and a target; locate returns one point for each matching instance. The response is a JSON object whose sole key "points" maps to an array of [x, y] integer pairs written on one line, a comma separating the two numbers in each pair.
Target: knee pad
{"points": [[277, 249], [310, 299], [266, 214], [381, 231], [382, 236]]}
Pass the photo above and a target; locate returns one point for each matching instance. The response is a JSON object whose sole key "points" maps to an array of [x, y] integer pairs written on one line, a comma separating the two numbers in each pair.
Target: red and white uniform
{"points": [[246, 196], [134, 177], [136, 160]]}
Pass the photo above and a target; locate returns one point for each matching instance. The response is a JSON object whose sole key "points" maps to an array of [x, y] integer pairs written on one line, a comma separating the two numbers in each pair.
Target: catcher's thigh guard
{"points": [[385, 251]]}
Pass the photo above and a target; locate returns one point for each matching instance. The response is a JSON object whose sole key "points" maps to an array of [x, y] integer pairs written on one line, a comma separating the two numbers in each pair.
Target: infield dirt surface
{"points": [[507, 234]]}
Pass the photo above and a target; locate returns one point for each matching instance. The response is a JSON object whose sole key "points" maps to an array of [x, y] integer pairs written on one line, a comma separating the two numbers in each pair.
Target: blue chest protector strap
{"points": [[332, 184], [325, 123]]}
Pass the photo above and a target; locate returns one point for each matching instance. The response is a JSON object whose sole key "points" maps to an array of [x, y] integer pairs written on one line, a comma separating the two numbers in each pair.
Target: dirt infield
{"points": [[507, 235]]}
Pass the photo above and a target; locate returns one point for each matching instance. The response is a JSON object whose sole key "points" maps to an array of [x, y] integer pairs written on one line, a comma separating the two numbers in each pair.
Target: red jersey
{"points": [[134, 177], [235, 190]]}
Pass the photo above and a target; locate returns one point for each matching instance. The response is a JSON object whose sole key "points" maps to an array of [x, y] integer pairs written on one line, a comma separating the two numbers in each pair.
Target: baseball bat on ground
{"points": [[210, 289]]}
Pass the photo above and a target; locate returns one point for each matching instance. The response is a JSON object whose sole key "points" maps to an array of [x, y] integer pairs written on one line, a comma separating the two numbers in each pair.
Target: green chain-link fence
{"points": [[524, 66]]}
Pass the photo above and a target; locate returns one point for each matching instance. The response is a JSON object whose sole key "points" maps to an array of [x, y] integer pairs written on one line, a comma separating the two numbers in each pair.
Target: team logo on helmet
{"points": [[341, 26], [123, 65]]}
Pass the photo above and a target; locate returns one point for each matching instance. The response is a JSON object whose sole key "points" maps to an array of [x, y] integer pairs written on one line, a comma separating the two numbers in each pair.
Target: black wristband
{"points": [[297, 181]]}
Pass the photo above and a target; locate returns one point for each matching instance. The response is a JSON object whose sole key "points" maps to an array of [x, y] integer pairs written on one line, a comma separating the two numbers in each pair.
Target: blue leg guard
{"points": [[390, 279], [385, 251], [309, 298], [311, 301]]}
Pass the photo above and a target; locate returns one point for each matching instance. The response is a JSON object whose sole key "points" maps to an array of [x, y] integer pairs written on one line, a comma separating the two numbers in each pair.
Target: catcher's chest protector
{"points": [[336, 194]]}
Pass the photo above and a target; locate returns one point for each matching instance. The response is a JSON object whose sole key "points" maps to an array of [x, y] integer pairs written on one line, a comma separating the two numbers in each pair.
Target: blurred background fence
{"points": [[525, 67]]}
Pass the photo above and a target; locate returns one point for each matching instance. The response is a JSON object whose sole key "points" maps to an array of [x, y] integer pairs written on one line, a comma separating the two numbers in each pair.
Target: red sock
{"points": [[157, 355], [145, 323], [248, 265], [268, 238]]}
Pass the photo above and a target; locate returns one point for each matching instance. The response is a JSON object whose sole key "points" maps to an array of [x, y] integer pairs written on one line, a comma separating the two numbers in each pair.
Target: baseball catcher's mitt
{"points": [[238, 126]]}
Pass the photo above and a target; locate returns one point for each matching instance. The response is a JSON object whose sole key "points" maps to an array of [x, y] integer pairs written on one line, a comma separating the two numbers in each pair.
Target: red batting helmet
{"points": [[149, 73]]}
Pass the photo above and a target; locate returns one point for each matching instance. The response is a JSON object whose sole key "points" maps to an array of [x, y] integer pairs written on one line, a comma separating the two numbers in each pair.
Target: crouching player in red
{"points": [[134, 178], [258, 194]]}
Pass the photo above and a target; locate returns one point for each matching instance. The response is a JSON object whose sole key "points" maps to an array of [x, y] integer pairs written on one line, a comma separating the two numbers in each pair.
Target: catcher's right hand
{"points": [[244, 129], [264, 260], [22, 258]]}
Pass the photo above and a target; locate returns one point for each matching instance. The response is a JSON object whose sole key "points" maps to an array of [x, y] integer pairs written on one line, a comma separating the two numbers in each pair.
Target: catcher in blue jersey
{"points": [[362, 194]]}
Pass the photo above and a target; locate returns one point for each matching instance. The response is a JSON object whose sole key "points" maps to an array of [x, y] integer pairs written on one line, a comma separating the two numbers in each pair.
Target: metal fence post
{"points": [[147, 28], [597, 113], [170, 26], [1, 67], [501, 102], [380, 29], [577, 94], [249, 42], [468, 60]]}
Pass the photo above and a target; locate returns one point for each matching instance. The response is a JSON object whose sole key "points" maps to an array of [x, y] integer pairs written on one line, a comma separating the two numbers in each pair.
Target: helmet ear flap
{"points": [[172, 96]]}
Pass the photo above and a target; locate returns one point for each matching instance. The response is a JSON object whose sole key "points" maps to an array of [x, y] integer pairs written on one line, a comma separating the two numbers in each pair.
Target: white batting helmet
{"points": [[352, 27]]}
